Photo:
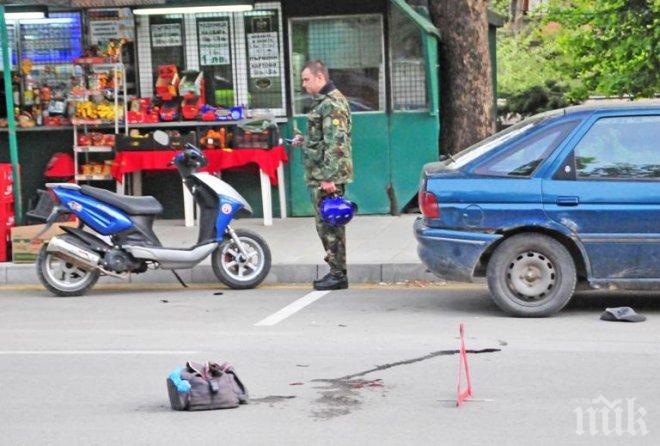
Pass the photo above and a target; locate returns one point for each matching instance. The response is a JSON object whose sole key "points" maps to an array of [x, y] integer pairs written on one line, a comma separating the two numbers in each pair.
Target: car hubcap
{"points": [[241, 267], [531, 276], [65, 276]]}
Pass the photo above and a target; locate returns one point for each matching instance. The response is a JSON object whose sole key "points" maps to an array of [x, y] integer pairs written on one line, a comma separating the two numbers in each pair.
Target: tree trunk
{"points": [[466, 90]]}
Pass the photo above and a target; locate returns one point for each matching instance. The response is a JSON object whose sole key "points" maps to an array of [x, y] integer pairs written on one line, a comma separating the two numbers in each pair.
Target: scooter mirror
{"points": [[161, 138]]}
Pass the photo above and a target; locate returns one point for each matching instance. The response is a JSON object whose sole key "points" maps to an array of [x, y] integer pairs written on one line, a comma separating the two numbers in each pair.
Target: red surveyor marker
{"points": [[463, 363]]}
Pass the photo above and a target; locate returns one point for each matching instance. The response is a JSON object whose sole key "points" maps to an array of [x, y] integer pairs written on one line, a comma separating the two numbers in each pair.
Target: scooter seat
{"points": [[131, 205]]}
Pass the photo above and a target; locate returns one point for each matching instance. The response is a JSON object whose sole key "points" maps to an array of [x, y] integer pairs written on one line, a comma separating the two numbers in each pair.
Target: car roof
{"points": [[614, 105]]}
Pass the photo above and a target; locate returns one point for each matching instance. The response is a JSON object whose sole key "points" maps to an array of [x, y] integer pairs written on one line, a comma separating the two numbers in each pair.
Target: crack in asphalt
{"points": [[421, 358], [340, 395]]}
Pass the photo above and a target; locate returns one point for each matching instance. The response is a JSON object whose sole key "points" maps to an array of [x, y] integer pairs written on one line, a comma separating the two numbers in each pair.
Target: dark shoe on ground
{"points": [[331, 282], [322, 279]]}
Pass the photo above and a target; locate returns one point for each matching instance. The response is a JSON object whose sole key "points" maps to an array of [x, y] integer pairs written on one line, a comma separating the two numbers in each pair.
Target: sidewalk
{"points": [[380, 249]]}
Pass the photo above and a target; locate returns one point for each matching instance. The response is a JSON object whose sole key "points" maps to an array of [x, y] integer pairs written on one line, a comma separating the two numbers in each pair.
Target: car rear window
{"points": [[482, 147], [525, 157]]}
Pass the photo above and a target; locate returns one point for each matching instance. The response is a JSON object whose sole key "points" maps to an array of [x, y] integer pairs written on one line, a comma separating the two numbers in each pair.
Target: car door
{"points": [[607, 191]]}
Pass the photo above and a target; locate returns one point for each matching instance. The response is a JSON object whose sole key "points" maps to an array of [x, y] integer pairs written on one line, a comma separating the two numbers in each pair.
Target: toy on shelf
{"points": [[142, 111], [170, 110], [192, 90], [168, 82], [210, 113], [215, 139], [108, 51]]}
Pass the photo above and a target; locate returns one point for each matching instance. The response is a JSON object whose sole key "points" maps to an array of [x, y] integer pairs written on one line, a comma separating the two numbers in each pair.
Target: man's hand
{"points": [[328, 187], [298, 140]]}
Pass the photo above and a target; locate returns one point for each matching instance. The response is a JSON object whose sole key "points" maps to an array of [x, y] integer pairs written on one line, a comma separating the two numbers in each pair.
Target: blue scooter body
{"points": [[101, 217], [108, 220]]}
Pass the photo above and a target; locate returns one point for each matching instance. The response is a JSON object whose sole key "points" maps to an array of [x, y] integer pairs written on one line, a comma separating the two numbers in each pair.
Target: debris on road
{"points": [[621, 314]]}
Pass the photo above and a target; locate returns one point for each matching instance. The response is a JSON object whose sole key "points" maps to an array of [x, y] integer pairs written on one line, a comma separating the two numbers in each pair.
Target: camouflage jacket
{"points": [[327, 150]]}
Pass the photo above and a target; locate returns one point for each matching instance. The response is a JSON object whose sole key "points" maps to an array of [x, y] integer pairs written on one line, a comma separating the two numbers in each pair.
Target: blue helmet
{"points": [[337, 211]]}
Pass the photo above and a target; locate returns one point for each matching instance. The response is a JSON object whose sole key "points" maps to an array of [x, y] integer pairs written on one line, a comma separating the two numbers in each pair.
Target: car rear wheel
{"points": [[531, 275]]}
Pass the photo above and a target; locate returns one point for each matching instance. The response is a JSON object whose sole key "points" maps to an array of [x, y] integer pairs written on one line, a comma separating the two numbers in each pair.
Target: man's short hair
{"points": [[316, 67]]}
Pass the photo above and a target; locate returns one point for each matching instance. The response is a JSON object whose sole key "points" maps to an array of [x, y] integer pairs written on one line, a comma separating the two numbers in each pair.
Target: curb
{"points": [[25, 274]]}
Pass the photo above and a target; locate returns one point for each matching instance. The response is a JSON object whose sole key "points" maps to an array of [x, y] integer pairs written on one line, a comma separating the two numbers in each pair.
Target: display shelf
{"points": [[79, 121], [108, 125], [93, 149], [82, 94], [81, 177], [85, 126], [95, 61]]}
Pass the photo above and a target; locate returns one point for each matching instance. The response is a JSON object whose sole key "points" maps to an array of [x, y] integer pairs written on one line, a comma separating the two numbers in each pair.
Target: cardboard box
{"points": [[25, 248]]}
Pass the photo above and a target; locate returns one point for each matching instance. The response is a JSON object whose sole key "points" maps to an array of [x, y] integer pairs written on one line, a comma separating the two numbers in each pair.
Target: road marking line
{"points": [[291, 308], [96, 352]]}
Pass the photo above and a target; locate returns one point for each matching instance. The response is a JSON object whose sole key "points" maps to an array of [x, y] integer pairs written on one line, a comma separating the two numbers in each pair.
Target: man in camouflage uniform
{"points": [[328, 163]]}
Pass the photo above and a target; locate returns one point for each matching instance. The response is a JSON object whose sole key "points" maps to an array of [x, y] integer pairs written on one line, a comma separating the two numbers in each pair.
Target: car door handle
{"points": [[567, 201]]}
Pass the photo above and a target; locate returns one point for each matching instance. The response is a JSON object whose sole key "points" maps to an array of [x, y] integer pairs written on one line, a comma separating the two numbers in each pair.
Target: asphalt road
{"points": [[371, 365]]}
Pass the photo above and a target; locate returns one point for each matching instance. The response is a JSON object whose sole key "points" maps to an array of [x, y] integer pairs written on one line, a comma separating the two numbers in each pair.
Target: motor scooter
{"points": [[115, 234]]}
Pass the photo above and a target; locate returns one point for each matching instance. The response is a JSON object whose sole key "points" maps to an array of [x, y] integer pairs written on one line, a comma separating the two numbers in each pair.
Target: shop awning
{"points": [[422, 21]]}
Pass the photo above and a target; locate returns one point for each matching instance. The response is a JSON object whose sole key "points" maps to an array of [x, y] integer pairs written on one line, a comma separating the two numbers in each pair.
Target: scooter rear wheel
{"points": [[62, 278], [236, 271]]}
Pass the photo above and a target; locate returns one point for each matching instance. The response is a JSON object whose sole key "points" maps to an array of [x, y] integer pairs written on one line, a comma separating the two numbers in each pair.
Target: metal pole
{"points": [[11, 121]]}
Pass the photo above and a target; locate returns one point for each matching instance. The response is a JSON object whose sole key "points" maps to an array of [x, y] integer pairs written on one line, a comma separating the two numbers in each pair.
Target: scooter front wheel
{"points": [[239, 271]]}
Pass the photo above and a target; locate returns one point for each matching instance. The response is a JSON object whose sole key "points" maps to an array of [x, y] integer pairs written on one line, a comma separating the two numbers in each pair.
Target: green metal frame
{"points": [[11, 122]]}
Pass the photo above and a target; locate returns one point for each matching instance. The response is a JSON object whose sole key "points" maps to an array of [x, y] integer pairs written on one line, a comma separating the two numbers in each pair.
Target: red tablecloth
{"points": [[219, 160]]}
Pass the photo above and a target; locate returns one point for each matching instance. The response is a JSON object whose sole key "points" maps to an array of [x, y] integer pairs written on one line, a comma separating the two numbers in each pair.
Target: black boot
{"points": [[322, 279], [332, 282]]}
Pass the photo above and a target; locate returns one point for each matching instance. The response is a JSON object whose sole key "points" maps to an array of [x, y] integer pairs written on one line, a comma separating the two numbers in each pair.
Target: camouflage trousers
{"points": [[333, 238]]}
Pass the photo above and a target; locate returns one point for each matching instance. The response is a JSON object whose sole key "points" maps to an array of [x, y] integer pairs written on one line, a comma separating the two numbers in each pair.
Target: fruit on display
{"points": [[96, 139], [104, 111]]}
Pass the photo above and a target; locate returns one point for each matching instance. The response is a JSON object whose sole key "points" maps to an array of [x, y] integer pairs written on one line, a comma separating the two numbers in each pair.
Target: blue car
{"points": [[567, 196]]}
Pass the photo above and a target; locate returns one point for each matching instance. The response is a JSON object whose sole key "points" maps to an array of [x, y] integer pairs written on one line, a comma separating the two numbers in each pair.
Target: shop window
{"points": [[11, 35], [264, 59], [408, 75], [167, 42], [50, 45], [215, 58], [352, 49], [108, 24]]}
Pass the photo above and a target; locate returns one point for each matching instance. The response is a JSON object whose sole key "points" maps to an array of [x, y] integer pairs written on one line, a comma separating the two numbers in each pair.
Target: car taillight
{"points": [[53, 196], [428, 204]]}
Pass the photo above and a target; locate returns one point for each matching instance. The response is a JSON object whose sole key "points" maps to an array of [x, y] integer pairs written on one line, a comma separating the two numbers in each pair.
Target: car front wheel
{"points": [[531, 275]]}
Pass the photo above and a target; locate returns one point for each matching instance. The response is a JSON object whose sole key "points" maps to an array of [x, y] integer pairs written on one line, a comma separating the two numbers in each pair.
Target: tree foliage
{"points": [[531, 58], [611, 46], [502, 7]]}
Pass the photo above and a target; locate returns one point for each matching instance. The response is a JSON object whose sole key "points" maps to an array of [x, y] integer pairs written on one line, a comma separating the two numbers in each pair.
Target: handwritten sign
{"points": [[214, 42], [106, 24], [263, 51], [168, 34]]}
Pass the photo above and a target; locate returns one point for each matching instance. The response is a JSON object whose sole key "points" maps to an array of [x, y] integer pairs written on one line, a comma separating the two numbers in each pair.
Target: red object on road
{"points": [[463, 364]]}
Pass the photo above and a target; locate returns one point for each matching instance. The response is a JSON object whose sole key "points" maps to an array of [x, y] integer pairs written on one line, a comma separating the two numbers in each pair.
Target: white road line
{"points": [[96, 352], [291, 308]]}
